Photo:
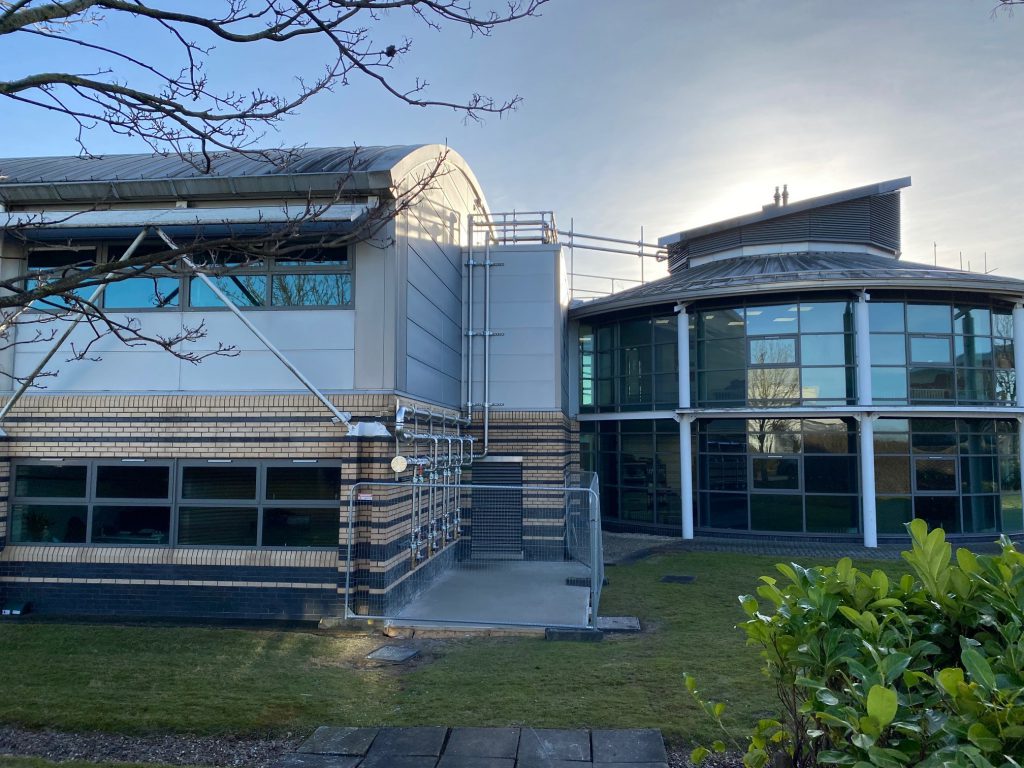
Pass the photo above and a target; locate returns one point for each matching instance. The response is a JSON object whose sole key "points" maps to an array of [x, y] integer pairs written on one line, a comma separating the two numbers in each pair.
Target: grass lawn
{"points": [[253, 682]]}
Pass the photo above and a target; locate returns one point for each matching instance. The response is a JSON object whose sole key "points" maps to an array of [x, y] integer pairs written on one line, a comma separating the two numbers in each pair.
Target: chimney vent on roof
{"points": [[777, 197], [785, 194]]}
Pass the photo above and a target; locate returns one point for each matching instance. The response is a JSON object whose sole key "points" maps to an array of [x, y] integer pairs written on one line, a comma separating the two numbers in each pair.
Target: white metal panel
{"points": [[319, 342], [253, 371]]}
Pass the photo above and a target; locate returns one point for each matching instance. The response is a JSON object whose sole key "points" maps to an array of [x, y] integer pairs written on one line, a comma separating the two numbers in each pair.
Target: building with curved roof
{"points": [[793, 375], [380, 350], [333, 299]]}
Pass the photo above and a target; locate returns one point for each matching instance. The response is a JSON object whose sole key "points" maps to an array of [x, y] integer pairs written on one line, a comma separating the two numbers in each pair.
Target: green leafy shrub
{"points": [[927, 671]]}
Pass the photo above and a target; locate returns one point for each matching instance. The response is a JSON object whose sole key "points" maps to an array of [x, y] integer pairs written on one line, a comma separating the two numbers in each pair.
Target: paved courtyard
{"points": [[524, 593], [439, 747]]}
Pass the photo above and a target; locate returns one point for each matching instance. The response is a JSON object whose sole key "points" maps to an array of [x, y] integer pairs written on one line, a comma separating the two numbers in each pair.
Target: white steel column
{"points": [[686, 469], [869, 512], [685, 431], [862, 336], [683, 340], [867, 480], [1018, 351]]}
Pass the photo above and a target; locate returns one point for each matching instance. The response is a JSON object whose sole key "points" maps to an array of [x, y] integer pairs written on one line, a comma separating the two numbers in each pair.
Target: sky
{"points": [[670, 114]]}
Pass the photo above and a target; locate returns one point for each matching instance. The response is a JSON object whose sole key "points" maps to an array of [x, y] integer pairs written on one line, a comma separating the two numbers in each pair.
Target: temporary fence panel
{"points": [[482, 554]]}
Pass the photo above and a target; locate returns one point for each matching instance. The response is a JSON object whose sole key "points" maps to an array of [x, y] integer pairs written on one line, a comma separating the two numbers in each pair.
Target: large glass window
{"points": [[51, 265], [961, 474], [774, 355], [951, 353], [630, 364], [637, 462], [777, 474], [302, 277], [140, 503], [80, 502]]}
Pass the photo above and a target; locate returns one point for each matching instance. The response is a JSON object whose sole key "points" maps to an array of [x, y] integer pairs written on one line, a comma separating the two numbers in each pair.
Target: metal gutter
{"points": [[208, 222]]}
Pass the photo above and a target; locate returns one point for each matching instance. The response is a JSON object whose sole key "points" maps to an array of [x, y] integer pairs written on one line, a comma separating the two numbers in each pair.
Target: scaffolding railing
{"points": [[541, 227], [473, 555]]}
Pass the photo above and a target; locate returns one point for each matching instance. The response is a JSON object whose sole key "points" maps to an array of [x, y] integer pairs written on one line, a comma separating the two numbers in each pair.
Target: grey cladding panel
{"points": [[720, 241], [848, 222], [885, 220], [787, 229], [870, 220]]}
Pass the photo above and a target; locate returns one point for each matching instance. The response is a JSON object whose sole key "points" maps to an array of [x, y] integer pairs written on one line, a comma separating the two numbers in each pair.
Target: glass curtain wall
{"points": [[950, 354], [960, 474], [800, 352], [637, 462], [629, 364], [776, 474]]}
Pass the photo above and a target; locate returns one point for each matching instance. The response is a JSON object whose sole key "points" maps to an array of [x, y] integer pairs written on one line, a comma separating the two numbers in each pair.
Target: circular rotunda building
{"points": [[793, 375]]}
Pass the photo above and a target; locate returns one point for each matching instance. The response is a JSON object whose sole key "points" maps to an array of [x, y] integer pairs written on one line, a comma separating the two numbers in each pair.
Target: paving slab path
{"points": [[439, 747]]}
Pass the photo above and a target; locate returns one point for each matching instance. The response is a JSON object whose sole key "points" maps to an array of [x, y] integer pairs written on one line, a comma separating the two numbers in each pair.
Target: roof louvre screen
{"points": [[848, 222], [885, 220]]}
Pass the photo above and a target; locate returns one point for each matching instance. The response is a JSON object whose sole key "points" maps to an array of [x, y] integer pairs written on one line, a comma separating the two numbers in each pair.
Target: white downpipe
{"points": [[339, 416], [487, 350], [72, 324], [470, 263]]}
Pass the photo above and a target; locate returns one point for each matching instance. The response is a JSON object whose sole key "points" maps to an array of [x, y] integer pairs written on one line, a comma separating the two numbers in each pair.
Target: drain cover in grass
{"points": [[396, 654], [670, 579]]}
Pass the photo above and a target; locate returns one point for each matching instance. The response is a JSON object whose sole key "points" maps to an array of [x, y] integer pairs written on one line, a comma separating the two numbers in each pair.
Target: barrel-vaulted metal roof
{"points": [[369, 170], [784, 272]]}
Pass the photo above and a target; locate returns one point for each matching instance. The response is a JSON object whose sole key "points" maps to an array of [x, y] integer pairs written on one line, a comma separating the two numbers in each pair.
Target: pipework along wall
{"points": [[221, 582]]}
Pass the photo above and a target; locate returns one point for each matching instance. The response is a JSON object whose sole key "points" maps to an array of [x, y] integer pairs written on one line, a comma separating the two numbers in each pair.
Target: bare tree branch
{"points": [[175, 106], [34, 304]]}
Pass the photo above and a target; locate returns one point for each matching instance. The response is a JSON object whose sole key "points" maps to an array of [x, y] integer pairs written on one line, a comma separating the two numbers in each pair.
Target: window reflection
{"points": [[775, 355], [632, 365]]}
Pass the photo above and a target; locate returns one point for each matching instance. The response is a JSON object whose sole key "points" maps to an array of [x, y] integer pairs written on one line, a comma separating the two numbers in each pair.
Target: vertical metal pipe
{"points": [[348, 552], [487, 350], [469, 323]]}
